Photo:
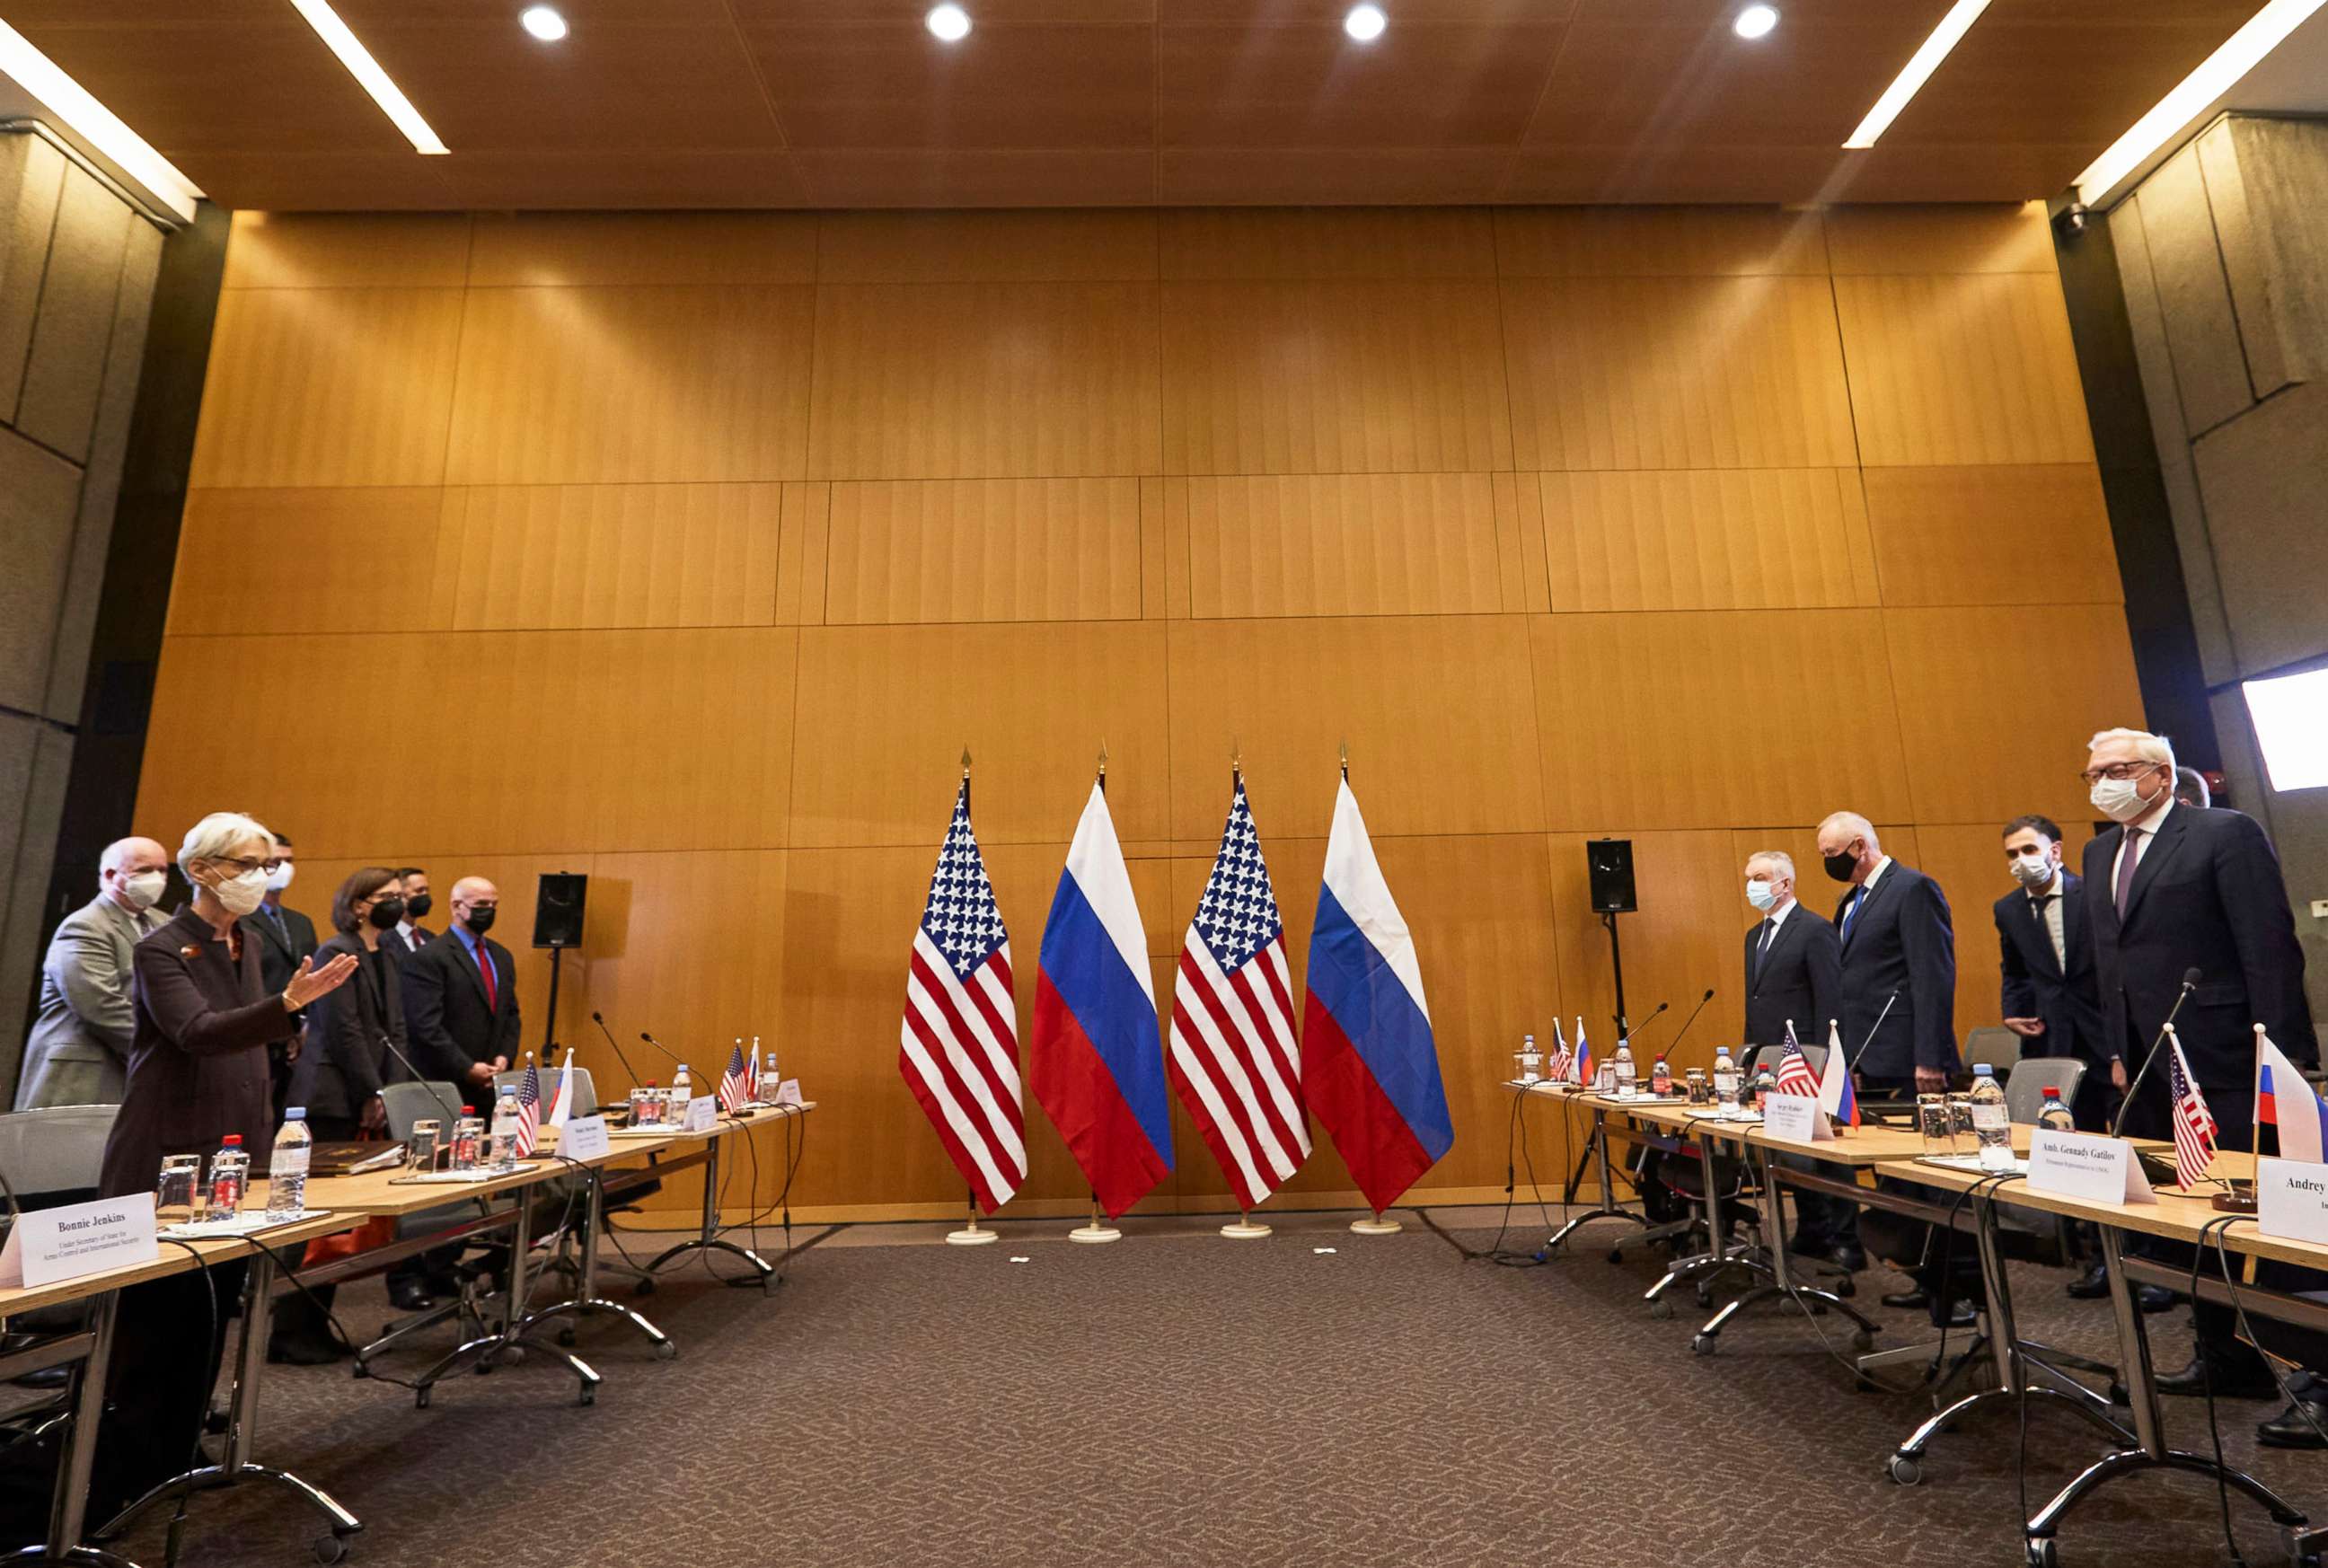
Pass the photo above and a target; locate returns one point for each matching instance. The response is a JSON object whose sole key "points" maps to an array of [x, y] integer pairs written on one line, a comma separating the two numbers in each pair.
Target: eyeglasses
{"points": [[2120, 771], [246, 867]]}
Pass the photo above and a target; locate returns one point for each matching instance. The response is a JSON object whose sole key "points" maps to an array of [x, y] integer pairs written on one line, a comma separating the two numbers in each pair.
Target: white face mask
{"points": [[281, 879], [1761, 894], [142, 889], [242, 894], [2031, 869], [2120, 799]]}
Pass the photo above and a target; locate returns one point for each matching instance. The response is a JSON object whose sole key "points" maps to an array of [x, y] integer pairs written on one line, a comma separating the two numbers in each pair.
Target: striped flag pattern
{"points": [[1794, 1074], [1235, 1063], [736, 1083], [1558, 1062], [529, 1111], [2194, 1124], [958, 1048]]}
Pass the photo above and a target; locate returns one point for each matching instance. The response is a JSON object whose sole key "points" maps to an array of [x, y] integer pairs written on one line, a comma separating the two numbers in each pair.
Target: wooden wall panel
{"points": [[600, 386], [1973, 368], [689, 550], [1707, 540], [1333, 377], [1703, 721], [884, 712], [1316, 242], [1412, 544], [1657, 243], [1971, 679], [2017, 535], [1642, 372], [328, 386], [545, 556], [1434, 709], [994, 550], [263, 562]]}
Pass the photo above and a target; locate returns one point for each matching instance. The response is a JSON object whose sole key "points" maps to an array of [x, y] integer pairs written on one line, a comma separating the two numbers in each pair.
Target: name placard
{"points": [[2088, 1167], [788, 1093], [585, 1138], [1796, 1118], [702, 1114], [51, 1244], [2291, 1199]]}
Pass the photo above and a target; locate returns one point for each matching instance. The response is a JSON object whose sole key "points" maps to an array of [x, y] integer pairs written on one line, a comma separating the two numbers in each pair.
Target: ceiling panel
{"points": [[747, 103]]}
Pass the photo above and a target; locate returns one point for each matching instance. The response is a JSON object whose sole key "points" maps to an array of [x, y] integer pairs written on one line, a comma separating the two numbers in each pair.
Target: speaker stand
{"points": [[1616, 962], [550, 1028]]}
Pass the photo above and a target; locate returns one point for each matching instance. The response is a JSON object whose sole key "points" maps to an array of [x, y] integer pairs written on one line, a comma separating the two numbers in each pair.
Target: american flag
{"points": [[736, 1083], [1794, 1074], [529, 1110], [958, 1048], [1558, 1062], [2194, 1124], [1234, 1059]]}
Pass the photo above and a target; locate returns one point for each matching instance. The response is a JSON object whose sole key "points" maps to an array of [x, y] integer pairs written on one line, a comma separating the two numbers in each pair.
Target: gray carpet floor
{"points": [[1187, 1400]]}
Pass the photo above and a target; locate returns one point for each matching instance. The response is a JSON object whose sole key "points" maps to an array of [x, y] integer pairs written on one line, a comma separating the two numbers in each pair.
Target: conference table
{"points": [[397, 1194]]}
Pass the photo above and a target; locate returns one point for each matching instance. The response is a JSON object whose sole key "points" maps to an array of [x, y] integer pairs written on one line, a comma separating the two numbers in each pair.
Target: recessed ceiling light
{"points": [[951, 22], [1755, 21], [360, 65], [90, 120], [543, 23], [1365, 22], [1916, 73]]}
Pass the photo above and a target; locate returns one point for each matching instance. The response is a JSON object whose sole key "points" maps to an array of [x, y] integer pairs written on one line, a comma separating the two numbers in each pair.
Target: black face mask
{"points": [[417, 907], [480, 920], [1841, 867], [386, 913]]}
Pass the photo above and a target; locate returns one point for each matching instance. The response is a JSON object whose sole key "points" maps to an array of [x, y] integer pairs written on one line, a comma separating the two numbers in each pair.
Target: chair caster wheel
{"points": [[1846, 1286], [1905, 1470], [666, 1351], [329, 1549], [1704, 1345], [360, 1370], [1660, 1308], [1616, 1254], [643, 1288], [2044, 1554], [565, 1336], [420, 1398], [1704, 1298], [1863, 1340], [589, 1396], [2119, 1395], [515, 1354]]}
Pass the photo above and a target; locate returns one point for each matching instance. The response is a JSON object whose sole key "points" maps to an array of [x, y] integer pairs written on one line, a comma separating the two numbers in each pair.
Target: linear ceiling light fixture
{"points": [[369, 75], [2215, 76], [1916, 73], [95, 124]]}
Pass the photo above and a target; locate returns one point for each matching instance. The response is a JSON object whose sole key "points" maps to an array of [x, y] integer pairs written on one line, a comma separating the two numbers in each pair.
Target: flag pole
{"points": [[2235, 1198], [1098, 1230], [972, 1234], [1245, 1229], [1374, 1225]]}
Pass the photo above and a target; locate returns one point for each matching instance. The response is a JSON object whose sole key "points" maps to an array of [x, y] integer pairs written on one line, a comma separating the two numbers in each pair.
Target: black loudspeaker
{"points": [[1609, 864], [558, 909]]}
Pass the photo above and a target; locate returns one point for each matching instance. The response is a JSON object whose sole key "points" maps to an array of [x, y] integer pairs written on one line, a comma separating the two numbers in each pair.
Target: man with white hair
{"points": [[2172, 890], [78, 1051]]}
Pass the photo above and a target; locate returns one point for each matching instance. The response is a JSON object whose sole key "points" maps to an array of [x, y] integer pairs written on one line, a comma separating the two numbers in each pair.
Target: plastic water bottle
{"points": [[503, 1148], [2053, 1116], [1992, 1124], [770, 1082], [1725, 1086], [229, 1178], [1660, 1078], [682, 1091], [286, 1169], [1624, 1069], [468, 1140], [1765, 1082]]}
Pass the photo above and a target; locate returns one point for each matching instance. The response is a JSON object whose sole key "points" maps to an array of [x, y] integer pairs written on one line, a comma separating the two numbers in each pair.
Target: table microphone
{"points": [[2190, 984], [637, 1082], [668, 1055], [1629, 1035], [1693, 1016], [452, 1113], [1872, 1030]]}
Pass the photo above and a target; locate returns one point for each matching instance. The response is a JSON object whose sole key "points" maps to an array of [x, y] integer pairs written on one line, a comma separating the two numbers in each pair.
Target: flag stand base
{"points": [[1378, 1226], [1094, 1233], [1243, 1229], [972, 1235]]}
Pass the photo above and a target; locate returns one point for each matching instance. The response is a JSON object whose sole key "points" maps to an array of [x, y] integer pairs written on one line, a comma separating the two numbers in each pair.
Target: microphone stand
{"points": [[1691, 1019], [2190, 984], [1872, 1030]]}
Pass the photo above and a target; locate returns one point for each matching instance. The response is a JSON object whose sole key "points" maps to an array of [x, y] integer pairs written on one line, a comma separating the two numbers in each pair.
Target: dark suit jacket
{"points": [[197, 1059], [2207, 896], [345, 1064], [1800, 978], [445, 1010], [1901, 940], [2035, 986], [278, 958]]}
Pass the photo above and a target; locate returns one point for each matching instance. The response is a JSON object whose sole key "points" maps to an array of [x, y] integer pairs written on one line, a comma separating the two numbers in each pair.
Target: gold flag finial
{"points": [[1236, 756], [965, 761], [1103, 757], [1346, 757]]}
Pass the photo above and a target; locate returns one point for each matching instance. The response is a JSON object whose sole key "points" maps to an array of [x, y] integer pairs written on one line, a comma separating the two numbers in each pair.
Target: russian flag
{"points": [[1096, 1058], [1836, 1096], [2285, 1101], [1583, 1057], [1369, 1067]]}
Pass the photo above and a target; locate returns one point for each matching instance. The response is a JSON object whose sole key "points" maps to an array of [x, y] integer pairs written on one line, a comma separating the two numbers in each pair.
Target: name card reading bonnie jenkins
{"points": [[2291, 1199], [2086, 1167], [49, 1244]]}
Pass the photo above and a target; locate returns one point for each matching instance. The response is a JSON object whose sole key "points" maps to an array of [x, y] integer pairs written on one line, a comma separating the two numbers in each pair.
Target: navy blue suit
{"points": [[1900, 940], [2065, 999], [1800, 979]]}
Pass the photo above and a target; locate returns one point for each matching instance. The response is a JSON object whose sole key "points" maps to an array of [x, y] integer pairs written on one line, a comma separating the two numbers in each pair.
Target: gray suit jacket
{"points": [[79, 1050]]}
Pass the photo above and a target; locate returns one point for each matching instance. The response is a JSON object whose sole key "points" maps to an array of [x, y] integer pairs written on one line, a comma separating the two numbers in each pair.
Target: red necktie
{"points": [[485, 968]]}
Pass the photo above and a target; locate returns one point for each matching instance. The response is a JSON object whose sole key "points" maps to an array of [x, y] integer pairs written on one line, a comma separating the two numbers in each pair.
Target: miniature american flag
{"points": [[529, 1111], [1794, 1074], [2194, 1125], [1558, 1062], [736, 1083]]}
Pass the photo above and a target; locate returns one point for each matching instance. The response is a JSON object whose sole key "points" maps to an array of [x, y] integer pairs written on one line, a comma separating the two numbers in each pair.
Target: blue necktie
{"points": [[1851, 910]]}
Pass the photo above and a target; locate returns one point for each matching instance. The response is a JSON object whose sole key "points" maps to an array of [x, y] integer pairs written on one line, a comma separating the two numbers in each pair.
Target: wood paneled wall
{"points": [[689, 551]]}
